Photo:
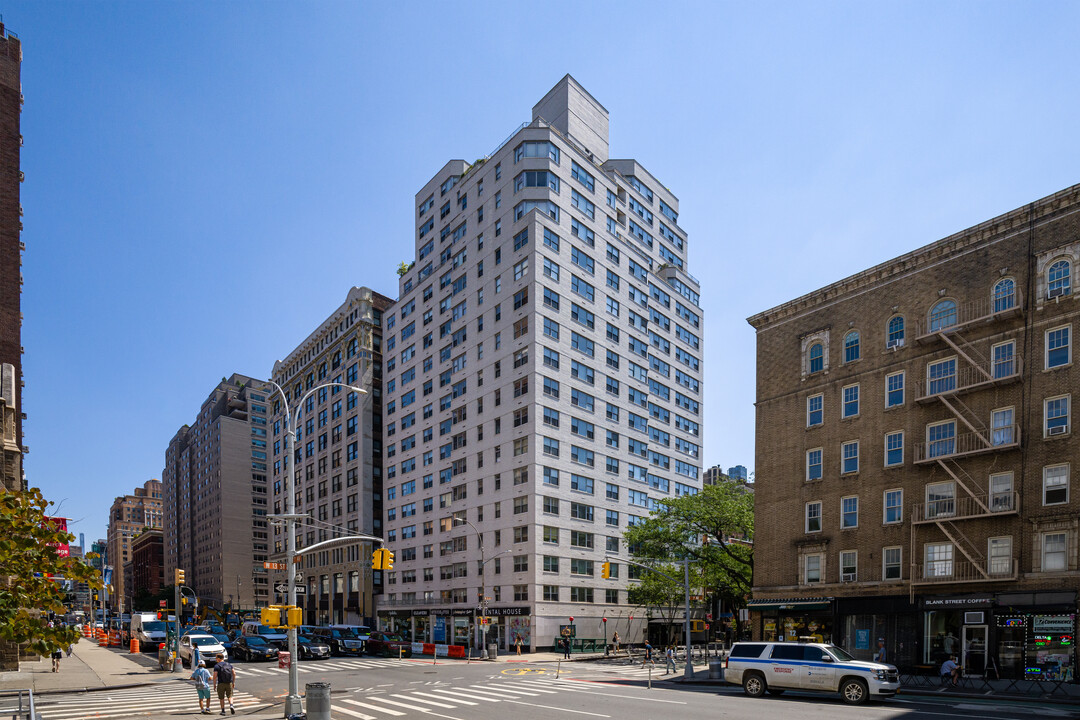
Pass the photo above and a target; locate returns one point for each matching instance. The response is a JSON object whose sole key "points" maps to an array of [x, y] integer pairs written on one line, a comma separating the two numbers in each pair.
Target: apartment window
{"points": [[1056, 484], [817, 357], [895, 332], [894, 389], [894, 449], [849, 454], [1004, 295], [890, 563], [1058, 279], [812, 568], [849, 563], [894, 506], [1058, 350], [943, 315], [851, 346], [999, 553], [1004, 362], [813, 464], [851, 401], [1054, 548], [813, 516], [849, 512], [814, 410], [941, 376], [1001, 492], [1002, 431], [1056, 414], [939, 560], [551, 593], [941, 439]]}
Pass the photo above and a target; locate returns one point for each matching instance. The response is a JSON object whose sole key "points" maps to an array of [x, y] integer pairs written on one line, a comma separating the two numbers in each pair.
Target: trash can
{"points": [[318, 700], [493, 651], [716, 669], [163, 657]]}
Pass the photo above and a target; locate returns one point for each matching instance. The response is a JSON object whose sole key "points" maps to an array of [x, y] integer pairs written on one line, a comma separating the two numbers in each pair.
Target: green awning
{"points": [[790, 604]]}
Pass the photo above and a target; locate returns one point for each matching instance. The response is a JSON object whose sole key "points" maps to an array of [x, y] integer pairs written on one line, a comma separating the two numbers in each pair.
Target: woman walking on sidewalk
{"points": [[56, 655]]}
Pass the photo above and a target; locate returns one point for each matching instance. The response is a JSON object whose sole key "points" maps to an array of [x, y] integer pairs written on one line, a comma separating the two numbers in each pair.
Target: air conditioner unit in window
{"points": [[847, 577], [1058, 430], [894, 344], [973, 618], [1055, 292]]}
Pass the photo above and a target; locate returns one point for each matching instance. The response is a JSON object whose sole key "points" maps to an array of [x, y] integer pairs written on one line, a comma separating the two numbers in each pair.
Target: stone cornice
{"points": [[923, 257]]}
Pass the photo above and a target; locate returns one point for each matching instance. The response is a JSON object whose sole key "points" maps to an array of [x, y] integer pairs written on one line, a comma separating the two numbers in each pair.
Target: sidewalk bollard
{"points": [[558, 668], [318, 700], [650, 677]]}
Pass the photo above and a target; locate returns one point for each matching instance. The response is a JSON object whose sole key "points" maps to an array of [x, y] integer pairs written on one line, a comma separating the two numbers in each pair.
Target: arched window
{"points": [[851, 346], [1004, 295], [1058, 279], [943, 315], [896, 332], [817, 358]]}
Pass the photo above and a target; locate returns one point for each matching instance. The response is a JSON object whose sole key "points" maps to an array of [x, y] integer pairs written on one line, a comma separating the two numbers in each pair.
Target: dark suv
{"points": [[341, 642]]}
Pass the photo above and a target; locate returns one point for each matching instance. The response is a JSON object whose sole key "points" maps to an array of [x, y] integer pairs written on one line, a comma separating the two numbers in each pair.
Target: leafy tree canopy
{"points": [[28, 559]]}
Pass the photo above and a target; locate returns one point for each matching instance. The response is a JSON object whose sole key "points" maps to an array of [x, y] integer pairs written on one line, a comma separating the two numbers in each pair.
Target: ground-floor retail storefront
{"points": [[993, 635], [457, 626]]}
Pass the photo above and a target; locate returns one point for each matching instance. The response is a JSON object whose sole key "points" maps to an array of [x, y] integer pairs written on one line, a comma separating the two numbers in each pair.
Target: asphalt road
{"points": [[380, 689]]}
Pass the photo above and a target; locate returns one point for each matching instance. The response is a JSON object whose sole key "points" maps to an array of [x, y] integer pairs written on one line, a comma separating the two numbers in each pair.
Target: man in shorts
{"points": [[201, 676], [224, 682]]}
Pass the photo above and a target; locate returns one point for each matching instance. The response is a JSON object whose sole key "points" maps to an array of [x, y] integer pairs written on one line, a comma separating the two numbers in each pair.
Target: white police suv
{"points": [[774, 667]]}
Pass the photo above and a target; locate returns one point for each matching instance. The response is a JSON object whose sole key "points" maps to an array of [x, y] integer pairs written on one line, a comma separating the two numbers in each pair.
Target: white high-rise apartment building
{"points": [[542, 381]]}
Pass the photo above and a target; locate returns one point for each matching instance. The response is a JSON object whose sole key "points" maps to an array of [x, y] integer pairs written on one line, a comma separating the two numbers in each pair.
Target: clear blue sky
{"points": [[205, 180]]}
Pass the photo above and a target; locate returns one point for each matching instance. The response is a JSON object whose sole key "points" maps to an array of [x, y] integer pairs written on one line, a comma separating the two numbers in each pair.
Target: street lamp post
{"points": [[482, 605], [292, 700]]}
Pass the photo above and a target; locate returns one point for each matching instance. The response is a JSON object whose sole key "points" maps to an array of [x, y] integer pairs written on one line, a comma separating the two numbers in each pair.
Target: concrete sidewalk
{"points": [[89, 668]]}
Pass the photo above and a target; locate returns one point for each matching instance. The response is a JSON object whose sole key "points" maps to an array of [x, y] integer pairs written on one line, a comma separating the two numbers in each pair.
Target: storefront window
{"points": [[1036, 647], [942, 637]]}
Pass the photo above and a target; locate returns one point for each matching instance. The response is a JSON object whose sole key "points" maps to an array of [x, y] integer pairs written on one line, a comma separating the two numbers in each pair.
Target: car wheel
{"points": [[754, 685], [854, 691]]}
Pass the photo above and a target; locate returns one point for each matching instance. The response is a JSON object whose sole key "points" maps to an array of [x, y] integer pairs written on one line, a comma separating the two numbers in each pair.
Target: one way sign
{"points": [[283, 588]]}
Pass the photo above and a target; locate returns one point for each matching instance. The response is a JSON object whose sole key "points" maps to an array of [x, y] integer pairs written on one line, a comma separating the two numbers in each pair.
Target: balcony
{"points": [[968, 379], [983, 311], [1002, 438], [948, 572], [966, 508]]}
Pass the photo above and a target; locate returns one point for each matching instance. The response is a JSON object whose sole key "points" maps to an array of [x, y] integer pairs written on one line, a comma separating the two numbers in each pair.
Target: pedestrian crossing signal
{"points": [[605, 570], [382, 559]]}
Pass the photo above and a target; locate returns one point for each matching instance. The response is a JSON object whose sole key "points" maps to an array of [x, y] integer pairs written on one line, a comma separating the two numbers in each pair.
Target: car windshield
{"points": [[342, 632], [154, 626], [221, 637], [201, 640], [394, 638], [839, 653], [257, 641], [263, 630]]}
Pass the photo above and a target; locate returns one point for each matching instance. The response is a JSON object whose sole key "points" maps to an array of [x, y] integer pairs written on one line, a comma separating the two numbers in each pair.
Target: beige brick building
{"points": [[128, 515], [914, 435]]}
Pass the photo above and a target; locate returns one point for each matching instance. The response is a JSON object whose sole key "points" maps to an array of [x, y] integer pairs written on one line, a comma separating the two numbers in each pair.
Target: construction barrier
{"points": [[429, 649], [133, 647], [103, 639], [456, 651]]}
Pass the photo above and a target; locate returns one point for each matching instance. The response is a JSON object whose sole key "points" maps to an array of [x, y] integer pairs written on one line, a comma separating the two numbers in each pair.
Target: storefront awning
{"points": [[790, 604]]}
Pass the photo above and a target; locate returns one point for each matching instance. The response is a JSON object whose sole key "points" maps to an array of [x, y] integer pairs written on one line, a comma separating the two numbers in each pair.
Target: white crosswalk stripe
{"points": [[157, 698], [441, 700]]}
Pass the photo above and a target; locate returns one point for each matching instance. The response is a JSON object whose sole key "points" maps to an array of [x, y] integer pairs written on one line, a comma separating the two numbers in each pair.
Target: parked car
{"points": [[360, 631], [209, 648], [380, 643], [274, 635], [312, 648], [225, 640], [341, 642], [254, 647], [774, 667]]}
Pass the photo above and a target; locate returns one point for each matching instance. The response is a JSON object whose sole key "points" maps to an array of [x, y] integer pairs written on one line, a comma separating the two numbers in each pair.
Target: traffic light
{"points": [[160, 615], [605, 570], [271, 616], [382, 559], [388, 560], [179, 576]]}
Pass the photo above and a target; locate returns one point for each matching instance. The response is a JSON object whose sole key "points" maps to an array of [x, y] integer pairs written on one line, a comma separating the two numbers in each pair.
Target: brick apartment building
{"points": [[128, 516], [914, 431], [147, 563]]}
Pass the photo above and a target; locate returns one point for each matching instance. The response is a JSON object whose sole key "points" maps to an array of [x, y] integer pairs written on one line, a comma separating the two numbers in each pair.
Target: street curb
{"points": [[61, 691], [912, 692]]}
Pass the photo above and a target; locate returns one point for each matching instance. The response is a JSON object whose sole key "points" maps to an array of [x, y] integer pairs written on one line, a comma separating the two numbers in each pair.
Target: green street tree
{"points": [[29, 572], [714, 528]]}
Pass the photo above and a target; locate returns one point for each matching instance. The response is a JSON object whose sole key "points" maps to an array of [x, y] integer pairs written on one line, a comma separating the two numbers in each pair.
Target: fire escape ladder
{"points": [[980, 430], [980, 366], [965, 546], [955, 472]]}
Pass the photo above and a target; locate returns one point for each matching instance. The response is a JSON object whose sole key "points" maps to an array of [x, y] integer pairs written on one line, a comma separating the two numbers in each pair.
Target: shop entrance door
{"points": [[974, 649]]}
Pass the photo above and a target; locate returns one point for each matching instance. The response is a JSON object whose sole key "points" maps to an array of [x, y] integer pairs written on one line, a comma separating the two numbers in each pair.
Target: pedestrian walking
{"points": [[518, 644], [615, 640], [669, 660], [56, 655], [880, 655], [648, 655], [224, 682], [68, 651], [201, 676]]}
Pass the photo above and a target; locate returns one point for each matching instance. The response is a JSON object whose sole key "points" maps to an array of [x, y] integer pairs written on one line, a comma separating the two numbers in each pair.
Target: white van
{"points": [[271, 635], [148, 630]]}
